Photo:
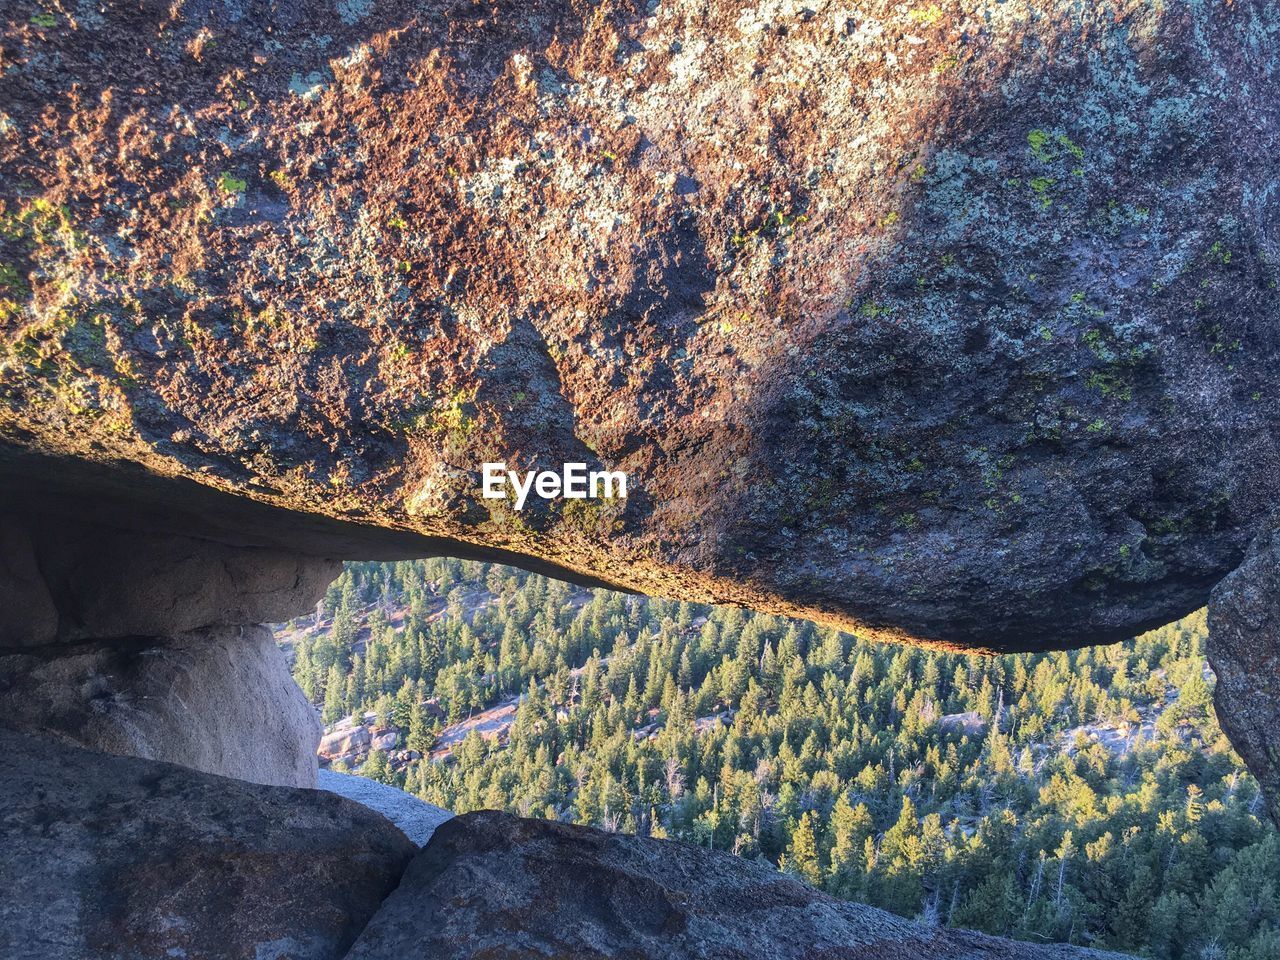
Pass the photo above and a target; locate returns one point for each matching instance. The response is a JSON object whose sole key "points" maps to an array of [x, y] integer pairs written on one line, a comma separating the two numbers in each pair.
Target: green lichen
{"points": [[1048, 147], [1038, 140], [925, 16], [776, 224], [13, 291], [1041, 186], [453, 421], [1110, 384], [40, 224], [1218, 343]]}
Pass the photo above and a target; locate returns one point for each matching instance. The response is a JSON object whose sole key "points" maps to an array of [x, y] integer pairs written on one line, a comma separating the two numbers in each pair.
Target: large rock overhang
{"points": [[51, 491], [128, 496], [945, 326]]}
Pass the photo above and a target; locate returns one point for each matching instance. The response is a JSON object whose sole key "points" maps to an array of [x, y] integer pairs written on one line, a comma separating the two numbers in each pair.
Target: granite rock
{"points": [[492, 885], [119, 858], [946, 323], [220, 700]]}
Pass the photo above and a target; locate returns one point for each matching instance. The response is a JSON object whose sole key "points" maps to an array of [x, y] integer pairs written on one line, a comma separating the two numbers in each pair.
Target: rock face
{"points": [[116, 858], [73, 581], [416, 818], [1244, 651], [489, 884], [219, 700], [148, 644], [951, 323], [27, 613]]}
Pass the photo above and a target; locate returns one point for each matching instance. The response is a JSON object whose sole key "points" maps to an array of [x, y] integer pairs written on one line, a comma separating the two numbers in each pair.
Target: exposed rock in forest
{"points": [[490, 884], [106, 858], [950, 322], [218, 699]]}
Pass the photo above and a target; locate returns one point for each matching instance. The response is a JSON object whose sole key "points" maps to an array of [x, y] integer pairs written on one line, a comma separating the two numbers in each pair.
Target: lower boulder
{"points": [[120, 858], [493, 885], [219, 699]]}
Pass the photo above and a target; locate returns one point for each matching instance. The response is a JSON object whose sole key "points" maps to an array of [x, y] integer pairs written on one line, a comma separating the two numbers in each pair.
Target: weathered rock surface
{"points": [[1244, 651], [492, 885], [948, 322], [385, 740], [73, 581], [219, 700], [117, 858], [148, 643], [416, 818], [27, 613]]}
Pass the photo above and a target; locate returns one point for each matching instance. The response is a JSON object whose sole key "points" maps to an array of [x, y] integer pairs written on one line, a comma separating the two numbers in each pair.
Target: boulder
{"points": [[219, 700], [953, 326], [119, 858], [384, 740], [970, 723], [148, 643], [1244, 651], [490, 884], [416, 818], [345, 742]]}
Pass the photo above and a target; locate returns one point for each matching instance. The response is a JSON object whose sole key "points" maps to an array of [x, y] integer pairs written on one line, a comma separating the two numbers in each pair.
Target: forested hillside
{"points": [[1085, 796]]}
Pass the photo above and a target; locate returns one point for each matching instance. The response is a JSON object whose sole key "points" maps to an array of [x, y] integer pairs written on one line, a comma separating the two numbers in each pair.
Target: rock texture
{"points": [[73, 581], [492, 885], [219, 700], [27, 613], [115, 858], [949, 322], [1244, 651], [150, 644], [416, 818]]}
